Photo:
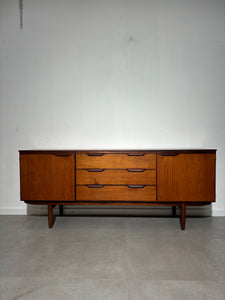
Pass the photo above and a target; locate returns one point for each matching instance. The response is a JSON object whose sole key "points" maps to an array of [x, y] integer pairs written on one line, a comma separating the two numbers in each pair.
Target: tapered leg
{"points": [[50, 215], [174, 209], [61, 210], [183, 215]]}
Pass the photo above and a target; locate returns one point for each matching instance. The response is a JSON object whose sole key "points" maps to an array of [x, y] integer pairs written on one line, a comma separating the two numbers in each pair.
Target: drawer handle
{"points": [[135, 154], [169, 154], [95, 170], [95, 186], [95, 154], [135, 170], [135, 186], [62, 154]]}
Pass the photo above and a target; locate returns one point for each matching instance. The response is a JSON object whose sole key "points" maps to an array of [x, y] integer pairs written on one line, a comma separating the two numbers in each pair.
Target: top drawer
{"points": [[115, 161]]}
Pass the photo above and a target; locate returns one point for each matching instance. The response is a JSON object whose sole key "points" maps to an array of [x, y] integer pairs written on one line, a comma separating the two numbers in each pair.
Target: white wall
{"points": [[110, 74]]}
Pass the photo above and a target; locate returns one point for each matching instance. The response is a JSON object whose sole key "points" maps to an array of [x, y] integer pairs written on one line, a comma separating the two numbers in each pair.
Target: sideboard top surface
{"points": [[156, 151]]}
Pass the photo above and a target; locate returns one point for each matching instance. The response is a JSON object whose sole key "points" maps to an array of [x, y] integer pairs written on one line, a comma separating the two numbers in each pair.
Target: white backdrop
{"points": [[103, 74]]}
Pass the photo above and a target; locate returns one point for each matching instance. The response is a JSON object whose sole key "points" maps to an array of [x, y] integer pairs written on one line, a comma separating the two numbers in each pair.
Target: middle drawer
{"points": [[123, 177]]}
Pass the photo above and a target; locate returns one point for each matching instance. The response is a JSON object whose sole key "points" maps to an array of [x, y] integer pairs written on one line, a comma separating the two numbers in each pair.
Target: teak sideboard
{"points": [[176, 178]]}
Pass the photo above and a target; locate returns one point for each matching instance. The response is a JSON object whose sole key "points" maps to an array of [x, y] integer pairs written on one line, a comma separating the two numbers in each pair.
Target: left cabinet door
{"points": [[47, 177]]}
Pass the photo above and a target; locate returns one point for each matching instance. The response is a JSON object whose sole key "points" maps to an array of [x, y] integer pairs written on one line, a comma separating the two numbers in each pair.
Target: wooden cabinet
{"points": [[150, 177], [47, 177], [186, 177]]}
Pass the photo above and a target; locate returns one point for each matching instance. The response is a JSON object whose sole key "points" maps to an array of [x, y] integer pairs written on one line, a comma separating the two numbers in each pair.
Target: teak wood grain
{"points": [[116, 161], [146, 177], [47, 177], [186, 177], [116, 193]]}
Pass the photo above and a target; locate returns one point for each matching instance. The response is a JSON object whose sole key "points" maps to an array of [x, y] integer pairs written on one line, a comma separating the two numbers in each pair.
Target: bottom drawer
{"points": [[116, 193]]}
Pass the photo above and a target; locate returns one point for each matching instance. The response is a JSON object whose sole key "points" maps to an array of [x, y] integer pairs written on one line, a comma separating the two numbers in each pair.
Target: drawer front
{"points": [[115, 161], [115, 193], [125, 177]]}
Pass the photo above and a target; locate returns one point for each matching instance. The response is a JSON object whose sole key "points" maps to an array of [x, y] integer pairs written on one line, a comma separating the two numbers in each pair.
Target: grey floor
{"points": [[108, 258]]}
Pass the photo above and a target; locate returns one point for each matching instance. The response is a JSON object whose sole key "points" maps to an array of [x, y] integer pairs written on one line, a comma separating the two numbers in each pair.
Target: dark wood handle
{"points": [[62, 154], [95, 186], [95, 170], [169, 154], [135, 170], [95, 154], [136, 154], [136, 186]]}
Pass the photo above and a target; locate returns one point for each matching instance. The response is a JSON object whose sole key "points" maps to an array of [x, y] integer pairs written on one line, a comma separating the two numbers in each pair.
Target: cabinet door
{"points": [[186, 177], [46, 177]]}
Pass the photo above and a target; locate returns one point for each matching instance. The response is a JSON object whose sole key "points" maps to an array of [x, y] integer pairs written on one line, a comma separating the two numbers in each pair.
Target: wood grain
{"points": [[47, 177], [115, 193], [186, 177], [115, 161], [147, 177]]}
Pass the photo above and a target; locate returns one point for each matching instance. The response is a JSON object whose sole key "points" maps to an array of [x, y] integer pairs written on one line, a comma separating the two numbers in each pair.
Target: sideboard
{"points": [[175, 178]]}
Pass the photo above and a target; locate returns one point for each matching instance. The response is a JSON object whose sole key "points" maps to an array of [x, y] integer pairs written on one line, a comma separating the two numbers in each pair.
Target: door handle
{"points": [[62, 154]]}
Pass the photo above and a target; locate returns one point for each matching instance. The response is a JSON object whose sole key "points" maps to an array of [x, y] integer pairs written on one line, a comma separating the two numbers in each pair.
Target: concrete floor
{"points": [[105, 258]]}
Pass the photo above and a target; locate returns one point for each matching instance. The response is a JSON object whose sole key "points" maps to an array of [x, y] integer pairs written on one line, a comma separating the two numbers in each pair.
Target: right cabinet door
{"points": [[186, 177]]}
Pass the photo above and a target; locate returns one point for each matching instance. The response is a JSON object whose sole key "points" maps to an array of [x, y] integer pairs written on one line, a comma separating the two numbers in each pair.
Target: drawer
{"points": [[115, 161], [115, 193], [129, 176]]}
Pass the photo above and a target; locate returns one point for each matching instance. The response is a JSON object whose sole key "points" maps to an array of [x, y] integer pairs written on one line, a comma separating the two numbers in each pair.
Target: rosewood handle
{"points": [[135, 170], [95, 170], [95, 186], [95, 154], [62, 154], [136, 186], [135, 154]]}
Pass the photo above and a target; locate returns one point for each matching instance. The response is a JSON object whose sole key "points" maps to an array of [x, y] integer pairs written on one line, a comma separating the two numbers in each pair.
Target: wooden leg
{"points": [[183, 215], [174, 209], [61, 210], [50, 215]]}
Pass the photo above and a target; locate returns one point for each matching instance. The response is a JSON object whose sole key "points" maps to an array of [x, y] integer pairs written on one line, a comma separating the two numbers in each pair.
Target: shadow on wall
{"points": [[192, 211]]}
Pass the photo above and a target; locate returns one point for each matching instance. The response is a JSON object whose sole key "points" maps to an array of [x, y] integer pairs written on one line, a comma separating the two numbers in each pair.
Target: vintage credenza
{"points": [[175, 178]]}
